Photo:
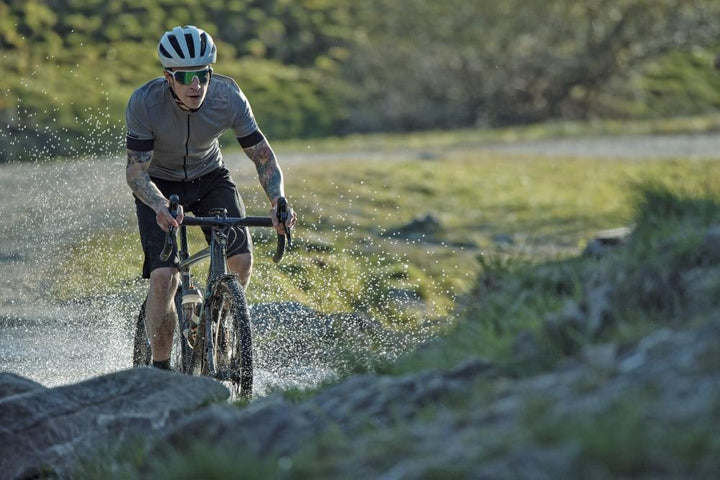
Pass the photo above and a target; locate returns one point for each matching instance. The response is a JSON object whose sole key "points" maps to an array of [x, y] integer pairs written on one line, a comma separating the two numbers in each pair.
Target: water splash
{"points": [[48, 205]]}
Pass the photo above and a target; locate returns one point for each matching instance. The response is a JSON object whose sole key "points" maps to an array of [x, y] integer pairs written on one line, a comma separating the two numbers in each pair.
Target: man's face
{"points": [[190, 84]]}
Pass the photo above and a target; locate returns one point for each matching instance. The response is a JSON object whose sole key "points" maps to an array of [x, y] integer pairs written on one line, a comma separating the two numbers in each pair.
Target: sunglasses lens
{"points": [[183, 77], [186, 76]]}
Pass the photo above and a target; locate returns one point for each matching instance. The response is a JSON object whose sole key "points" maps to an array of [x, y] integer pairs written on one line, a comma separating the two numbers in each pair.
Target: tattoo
{"points": [[139, 180], [138, 157], [268, 170]]}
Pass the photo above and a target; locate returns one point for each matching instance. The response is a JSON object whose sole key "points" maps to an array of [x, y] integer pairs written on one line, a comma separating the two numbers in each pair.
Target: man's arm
{"points": [[136, 174], [271, 179], [268, 169]]}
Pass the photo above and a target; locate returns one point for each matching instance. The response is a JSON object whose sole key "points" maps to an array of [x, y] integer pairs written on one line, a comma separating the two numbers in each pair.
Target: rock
{"points": [[48, 430], [428, 224], [525, 348], [562, 327], [416, 425], [274, 427], [12, 384], [607, 240], [503, 239], [588, 318], [597, 308], [271, 426], [710, 246]]}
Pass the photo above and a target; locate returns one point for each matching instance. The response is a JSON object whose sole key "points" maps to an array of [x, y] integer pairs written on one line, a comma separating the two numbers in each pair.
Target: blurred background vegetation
{"points": [[315, 68]]}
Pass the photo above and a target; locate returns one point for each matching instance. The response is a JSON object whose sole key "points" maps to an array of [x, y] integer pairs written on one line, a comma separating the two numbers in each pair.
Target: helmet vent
{"points": [[190, 44], [203, 43], [176, 45]]}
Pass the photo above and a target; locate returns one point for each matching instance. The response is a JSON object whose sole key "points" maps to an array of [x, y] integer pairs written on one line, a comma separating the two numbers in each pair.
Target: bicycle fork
{"points": [[192, 298], [219, 268]]}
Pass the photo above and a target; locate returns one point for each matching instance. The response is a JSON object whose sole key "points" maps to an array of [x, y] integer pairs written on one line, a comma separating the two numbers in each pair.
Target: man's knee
{"points": [[164, 280]]}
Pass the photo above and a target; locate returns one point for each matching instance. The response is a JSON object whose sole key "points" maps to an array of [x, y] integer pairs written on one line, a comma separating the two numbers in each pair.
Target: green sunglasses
{"points": [[185, 77]]}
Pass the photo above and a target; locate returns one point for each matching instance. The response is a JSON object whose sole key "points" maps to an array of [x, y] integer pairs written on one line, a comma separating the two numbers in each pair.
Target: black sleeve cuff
{"points": [[251, 140], [140, 145]]}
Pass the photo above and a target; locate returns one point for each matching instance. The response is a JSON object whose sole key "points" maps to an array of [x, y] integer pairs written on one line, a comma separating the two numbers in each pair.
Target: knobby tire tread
{"points": [[141, 345], [232, 353]]}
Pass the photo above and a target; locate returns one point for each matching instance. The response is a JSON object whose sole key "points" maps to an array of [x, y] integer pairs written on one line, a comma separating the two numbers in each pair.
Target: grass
{"points": [[514, 297], [353, 255]]}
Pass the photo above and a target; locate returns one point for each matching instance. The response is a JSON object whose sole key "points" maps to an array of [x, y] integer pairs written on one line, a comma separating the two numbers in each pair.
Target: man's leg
{"points": [[241, 265], [160, 314], [218, 189]]}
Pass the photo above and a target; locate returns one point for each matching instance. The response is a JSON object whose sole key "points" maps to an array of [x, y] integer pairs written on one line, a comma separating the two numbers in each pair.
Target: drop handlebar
{"points": [[283, 241]]}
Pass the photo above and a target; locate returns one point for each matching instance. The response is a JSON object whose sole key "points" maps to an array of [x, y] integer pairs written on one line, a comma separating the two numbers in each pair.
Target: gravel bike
{"points": [[213, 333]]}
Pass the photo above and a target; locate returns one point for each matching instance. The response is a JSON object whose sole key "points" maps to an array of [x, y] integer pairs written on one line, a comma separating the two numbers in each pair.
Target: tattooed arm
{"points": [[136, 174], [271, 179], [269, 173]]}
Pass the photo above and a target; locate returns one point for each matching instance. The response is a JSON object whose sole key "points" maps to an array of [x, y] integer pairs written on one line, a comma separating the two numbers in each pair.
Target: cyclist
{"points": [[173, 126]]}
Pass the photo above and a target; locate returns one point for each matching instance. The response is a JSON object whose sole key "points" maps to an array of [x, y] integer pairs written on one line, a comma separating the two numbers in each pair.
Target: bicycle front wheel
{"points": [[230, 355]]}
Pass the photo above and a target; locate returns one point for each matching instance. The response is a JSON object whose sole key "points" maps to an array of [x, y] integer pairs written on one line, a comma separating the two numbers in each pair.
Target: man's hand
{"points": [[165, 219], [291, 216]]}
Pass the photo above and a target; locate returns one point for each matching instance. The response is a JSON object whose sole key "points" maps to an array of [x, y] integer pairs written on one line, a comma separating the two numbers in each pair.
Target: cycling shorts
{"points": [[213, 190]]}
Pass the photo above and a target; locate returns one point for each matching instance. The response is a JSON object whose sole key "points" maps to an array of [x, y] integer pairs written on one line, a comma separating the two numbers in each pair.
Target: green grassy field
{"points": [[355, 250]]}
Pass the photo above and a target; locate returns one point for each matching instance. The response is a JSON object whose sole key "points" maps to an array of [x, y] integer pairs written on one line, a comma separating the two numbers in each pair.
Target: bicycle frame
{"points": [[203, 333], [204, 342], [218, 269]]}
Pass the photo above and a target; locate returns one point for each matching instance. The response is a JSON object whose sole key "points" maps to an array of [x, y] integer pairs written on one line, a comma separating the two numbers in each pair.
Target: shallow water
{"points": [[45, 207]]}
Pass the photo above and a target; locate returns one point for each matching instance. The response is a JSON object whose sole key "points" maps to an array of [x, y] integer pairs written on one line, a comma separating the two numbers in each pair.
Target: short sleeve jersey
{"points": [[185, 144]]}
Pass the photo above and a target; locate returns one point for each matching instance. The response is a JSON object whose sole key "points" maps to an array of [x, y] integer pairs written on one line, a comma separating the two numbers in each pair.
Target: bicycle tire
{"points": [[225, 349], [142, 353], [141, 344]]}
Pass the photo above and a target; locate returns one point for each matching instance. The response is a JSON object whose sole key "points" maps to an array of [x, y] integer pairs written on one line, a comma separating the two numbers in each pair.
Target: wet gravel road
{"points": [[696, 146]]}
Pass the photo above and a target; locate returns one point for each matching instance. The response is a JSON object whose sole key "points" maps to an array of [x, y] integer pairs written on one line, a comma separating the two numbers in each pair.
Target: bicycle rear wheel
{"points": [[227, 344], [180, 354], [141, 344]]}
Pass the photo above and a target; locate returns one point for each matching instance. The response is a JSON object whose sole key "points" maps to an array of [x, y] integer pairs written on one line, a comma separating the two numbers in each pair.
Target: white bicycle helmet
{"points": [[186, 46]]}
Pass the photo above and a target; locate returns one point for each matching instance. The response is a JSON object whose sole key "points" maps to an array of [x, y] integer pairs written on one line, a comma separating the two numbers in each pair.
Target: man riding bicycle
{"points": [[173, 126]]}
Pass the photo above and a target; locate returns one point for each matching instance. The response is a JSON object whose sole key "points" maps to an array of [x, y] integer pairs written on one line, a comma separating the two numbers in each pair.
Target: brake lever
{"points": [[283, 217], [170, 235], [288, 235]]}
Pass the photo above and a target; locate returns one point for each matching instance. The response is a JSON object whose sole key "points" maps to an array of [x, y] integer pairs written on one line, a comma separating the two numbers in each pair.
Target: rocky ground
{"points": [[469, 422]]}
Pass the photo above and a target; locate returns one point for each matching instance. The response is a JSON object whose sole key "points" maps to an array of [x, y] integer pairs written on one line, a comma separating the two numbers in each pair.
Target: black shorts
{"points": [[213, 190]]}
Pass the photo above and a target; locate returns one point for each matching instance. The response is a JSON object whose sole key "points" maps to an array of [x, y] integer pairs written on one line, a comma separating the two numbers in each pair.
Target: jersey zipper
{"points": [[187, 146]]}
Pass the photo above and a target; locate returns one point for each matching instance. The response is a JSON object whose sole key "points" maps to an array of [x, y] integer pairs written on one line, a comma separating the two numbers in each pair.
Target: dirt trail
{"points": [[695, 146]]}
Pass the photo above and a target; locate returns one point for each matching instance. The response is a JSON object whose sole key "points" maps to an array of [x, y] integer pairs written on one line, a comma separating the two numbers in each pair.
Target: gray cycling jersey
{"points": [[185, 144]]}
